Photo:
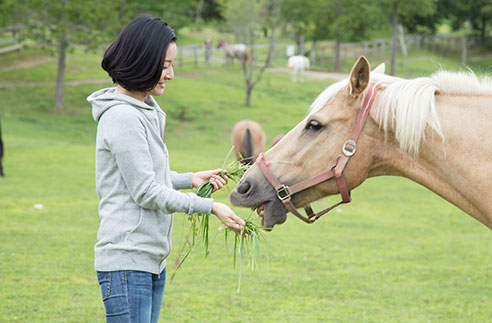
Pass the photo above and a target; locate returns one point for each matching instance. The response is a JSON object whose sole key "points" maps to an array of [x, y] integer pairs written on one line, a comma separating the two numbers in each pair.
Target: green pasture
{"points": [[398, 253]]}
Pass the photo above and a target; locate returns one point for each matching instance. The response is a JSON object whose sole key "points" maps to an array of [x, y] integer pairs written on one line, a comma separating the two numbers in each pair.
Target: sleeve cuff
{"points": [[201, 205], [182, 181]]}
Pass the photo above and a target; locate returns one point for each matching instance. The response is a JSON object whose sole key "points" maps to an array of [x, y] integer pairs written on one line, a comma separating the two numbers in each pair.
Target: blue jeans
{"points": [[131, 296]]}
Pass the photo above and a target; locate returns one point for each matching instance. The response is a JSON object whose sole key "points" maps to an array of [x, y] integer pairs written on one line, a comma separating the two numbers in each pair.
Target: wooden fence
{"points": [[200, 55], [442, 44]]}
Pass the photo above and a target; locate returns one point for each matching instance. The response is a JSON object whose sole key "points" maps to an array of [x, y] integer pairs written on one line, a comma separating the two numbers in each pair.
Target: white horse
{"points": [[232, 51], [298, 64]]}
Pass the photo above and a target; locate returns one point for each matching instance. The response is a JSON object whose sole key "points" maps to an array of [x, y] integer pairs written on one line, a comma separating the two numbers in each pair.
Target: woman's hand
{"points": [[216, 180], [228, 217]]}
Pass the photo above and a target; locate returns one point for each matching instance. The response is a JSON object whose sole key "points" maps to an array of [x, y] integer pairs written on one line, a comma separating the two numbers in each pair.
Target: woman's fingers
{"points": [[237, 228], [217, 182]]}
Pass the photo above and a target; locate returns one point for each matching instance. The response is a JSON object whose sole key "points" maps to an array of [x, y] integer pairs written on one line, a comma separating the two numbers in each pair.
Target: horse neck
{"points": [[458, 168], [228, 48]]}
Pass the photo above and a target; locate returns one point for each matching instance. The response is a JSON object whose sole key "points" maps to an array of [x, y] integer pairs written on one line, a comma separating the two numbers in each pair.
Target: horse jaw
{"points": [[256, 193]]}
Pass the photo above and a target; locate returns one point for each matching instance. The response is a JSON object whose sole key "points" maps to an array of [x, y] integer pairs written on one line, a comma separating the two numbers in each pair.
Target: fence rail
{"points": [[443, 44], [324, 56]]}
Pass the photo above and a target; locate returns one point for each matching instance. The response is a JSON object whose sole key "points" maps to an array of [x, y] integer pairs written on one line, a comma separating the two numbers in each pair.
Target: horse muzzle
{"points": [[256, 193]]}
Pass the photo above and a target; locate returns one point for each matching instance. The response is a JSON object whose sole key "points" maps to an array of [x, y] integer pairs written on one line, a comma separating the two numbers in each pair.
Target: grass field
{"points": [[398, 253]]}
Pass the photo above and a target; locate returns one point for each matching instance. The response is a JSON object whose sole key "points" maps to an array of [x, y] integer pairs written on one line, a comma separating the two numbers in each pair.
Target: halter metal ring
{"points": [[348, 152], [283, 193]]}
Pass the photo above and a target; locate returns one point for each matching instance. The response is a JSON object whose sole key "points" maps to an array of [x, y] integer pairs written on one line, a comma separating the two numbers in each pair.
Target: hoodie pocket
{"points": [[139, 222]]}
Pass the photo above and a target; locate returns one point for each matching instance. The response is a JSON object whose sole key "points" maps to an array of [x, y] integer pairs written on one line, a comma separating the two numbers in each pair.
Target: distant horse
{"points": [[1, 153], [248, 140], [231, 51], [298, 64], [433, 130]]}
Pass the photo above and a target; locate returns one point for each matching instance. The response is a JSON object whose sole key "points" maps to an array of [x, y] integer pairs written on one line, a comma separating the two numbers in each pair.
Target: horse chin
{"points": [[274, 214], [269, 208]]}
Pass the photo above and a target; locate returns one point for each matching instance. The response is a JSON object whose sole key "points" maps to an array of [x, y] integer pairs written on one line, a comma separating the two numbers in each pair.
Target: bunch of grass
{"points": [[199, 222], [247, 245]]}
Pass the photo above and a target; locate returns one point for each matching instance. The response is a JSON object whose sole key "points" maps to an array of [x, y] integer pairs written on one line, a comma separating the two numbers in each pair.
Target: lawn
{"points": [[397, 253]]}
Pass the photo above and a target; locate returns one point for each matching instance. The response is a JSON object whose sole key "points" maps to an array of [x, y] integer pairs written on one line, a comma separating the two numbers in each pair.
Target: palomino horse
{"points": [[231, 51], [248, 140], [298, 64], [433, 130]]}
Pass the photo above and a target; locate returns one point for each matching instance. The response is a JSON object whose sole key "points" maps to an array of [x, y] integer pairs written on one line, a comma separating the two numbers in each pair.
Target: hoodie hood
{"points": [[105, 99]]}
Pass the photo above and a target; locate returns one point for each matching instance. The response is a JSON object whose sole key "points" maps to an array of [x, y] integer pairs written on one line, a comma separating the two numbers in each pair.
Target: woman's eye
{"points": [[314, 125]]}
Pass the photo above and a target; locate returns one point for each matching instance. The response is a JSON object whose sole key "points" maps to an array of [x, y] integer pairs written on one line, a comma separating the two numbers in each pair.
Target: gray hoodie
{"points": [[137, 191]]}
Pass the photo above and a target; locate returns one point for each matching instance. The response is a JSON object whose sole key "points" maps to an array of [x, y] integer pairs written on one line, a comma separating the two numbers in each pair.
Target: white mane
{"points": [[407, 107]]}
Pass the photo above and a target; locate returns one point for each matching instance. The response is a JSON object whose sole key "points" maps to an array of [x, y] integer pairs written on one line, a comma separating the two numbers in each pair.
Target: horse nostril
{"points": [[243, 187]]}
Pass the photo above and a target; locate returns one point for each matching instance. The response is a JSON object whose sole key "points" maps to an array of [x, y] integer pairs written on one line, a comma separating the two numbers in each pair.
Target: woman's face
{"points": [[167, 71]]}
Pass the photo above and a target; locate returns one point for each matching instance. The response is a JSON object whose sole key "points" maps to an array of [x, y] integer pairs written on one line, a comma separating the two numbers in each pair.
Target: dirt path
{"points": [[69, 83], [28, 64], [314, 75]]}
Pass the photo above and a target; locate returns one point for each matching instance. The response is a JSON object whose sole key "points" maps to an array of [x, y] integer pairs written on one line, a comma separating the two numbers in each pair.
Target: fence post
{"points": [[180, 61], [195, 57], [463, 50], [207, 51]]}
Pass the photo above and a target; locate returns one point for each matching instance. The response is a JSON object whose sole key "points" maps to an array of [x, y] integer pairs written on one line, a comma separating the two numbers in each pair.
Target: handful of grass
{"points": [[247, 244], [199, 228]]}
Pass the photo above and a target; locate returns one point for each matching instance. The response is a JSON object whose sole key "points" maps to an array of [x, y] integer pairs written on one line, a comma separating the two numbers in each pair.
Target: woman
{"points": [[136, 189]]}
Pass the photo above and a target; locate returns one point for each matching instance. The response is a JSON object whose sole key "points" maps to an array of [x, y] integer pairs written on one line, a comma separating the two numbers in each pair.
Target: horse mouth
{"points": [[262, 198], [270, 212], [260, 210]]}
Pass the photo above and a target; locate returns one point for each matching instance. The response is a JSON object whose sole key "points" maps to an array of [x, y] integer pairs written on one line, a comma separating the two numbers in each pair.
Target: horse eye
{"points": [[314, 125]]}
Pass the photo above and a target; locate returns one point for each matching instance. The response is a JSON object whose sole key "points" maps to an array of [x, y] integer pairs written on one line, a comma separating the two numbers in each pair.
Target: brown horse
{"points": [[248, 140], [231, 51], [433, 130]]}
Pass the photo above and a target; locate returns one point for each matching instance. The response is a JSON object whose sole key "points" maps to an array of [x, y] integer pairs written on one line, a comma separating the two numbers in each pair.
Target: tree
{"points": [[407, 9], [346, 20], [340, 20], [67, 23], [247, 18]]}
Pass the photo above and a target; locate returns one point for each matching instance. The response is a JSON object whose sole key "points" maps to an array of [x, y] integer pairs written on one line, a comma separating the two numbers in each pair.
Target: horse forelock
{"points": [[326, 95], [407, 107]]}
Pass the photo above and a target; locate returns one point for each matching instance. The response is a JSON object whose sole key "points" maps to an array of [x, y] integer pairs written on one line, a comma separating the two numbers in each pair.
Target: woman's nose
{"points": [[170, 74]]}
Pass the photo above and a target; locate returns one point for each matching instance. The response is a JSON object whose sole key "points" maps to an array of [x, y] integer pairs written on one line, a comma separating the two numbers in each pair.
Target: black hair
{"points": [[136, 58]]}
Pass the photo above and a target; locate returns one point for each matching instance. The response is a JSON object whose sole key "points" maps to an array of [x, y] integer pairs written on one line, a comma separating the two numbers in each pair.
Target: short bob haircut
{"points": [[135, 60]]}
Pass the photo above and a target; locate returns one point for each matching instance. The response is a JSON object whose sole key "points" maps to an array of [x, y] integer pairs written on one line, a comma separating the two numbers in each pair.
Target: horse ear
{"points": [[359, 77], [380, 69]]}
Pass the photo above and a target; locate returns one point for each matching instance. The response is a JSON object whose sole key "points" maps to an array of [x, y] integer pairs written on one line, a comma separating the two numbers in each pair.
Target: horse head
{"points": [[222, 43], [313, 147]]}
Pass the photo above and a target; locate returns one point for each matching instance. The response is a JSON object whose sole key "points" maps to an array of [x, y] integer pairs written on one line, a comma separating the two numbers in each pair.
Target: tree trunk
{"points": [[249, 89], [271, 46], [198, 12], [248, 76], [337, 55], [301, 45], [404, 51], [337, 40], [60, 79], [463, 50], [394, 19], [483, 28]]}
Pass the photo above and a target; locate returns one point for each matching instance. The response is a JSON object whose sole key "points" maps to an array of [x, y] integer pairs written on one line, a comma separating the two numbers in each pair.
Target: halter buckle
{"points": [[348, 152], [283, 193]]}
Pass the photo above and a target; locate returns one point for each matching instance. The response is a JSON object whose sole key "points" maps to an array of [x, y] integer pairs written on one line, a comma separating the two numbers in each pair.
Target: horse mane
{"points": [[407, 107], [247, 147]]}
